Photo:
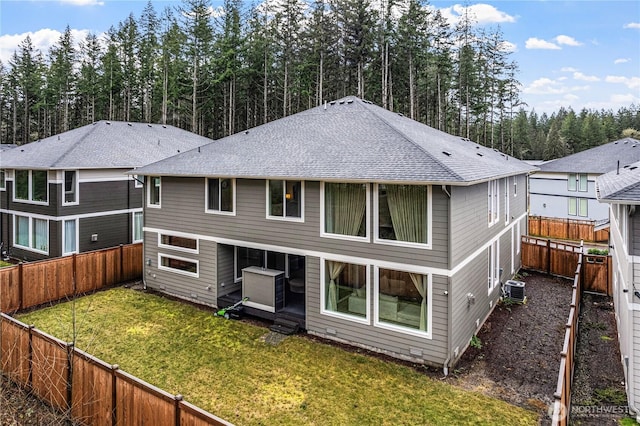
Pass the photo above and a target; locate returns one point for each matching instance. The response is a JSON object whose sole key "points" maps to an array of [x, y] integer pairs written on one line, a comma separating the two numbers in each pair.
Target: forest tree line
{"points": [[219, 71]]}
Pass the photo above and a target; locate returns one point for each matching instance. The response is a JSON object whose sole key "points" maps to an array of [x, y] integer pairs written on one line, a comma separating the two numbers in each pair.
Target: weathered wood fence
{"points": [[89, 390], [561, 259], [562, 395], [567, 229], [31, 284]]}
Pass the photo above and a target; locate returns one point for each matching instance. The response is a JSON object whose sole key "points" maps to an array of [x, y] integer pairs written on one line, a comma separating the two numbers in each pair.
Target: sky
{"points": [[573, 54]]}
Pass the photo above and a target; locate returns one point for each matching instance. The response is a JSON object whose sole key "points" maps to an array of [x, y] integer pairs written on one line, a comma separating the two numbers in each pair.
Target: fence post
{"points": [[30, 374], [69, 376], [178, 398], [548, 257], [120, 278], [114, 396], [20, 285]]}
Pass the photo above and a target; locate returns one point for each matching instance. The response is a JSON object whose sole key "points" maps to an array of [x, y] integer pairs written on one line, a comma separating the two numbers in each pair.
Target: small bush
{"points": [[603, 252], [475, 342]]}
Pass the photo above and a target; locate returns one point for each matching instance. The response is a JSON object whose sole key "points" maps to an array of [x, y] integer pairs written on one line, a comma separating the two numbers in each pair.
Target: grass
{"points": [[4, 264], [226, 368]]}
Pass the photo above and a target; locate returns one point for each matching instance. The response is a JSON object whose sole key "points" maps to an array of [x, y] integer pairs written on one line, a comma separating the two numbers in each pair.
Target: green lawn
{"points": [[5, 264], [226, 367]]}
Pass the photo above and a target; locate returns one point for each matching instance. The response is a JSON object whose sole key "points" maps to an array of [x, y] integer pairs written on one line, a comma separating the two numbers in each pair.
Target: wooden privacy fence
{"points": [[32, 284], [567, 229], [561, 259], [90, 390], [562, 395]]}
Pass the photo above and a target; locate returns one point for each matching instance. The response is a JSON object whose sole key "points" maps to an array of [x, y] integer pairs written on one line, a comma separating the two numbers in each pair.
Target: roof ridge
{"points": [[366, 104]]}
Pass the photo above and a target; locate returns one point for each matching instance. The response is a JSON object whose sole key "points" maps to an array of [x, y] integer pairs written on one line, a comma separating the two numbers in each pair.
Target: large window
{"points": [[344, 289], [70, 237], [345, 210], [32, 233], [578, 207], [153, 192], [32, 186], [402, 300], [178, 264], [220, 195], [137, 226], [494, 202], [70, 187], [403, 214], [284, 199]]}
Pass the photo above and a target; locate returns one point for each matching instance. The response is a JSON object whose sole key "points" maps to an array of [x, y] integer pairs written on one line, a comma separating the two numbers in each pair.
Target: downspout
{"points": [[445, 366], [144, 262]]}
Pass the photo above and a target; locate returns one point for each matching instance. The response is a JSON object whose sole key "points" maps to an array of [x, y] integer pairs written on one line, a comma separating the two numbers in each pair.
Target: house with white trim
{"points": [[364, 226], [619, 191], [566, 187], [70, 193]]}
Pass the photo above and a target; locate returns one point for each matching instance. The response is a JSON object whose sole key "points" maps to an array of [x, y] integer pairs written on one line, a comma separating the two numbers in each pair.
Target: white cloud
{"points": [[568, 69], [547, 86], [635, 25], [42, 40], [508, 47], [582, 77], [622, 61], [630, 82], [566, 40], [536, 43], [83, 2], [481, 13]]}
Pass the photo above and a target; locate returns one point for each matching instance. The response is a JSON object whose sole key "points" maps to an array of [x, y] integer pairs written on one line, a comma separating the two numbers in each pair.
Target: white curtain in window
{"points": [[137, 226], [346, 204], [421, 283], [408, 209], [40, 237], [69, 236], [22, 231], [334, 272]]}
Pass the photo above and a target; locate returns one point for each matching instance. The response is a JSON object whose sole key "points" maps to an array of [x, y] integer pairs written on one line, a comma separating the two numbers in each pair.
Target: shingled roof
{"points": [[620, 185], [598, 160], [103, 145], [348, 139]]}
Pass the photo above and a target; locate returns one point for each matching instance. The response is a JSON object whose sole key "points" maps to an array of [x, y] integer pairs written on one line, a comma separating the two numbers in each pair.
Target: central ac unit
{"points": [[514, 290]]}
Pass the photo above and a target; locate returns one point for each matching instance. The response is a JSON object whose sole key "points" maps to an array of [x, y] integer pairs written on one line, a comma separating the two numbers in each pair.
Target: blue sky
{"points": [[578, 54]]}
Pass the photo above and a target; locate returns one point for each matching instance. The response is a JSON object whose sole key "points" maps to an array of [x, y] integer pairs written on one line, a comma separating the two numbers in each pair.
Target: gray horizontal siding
{"points": [[103, 197], [183, 210], [112, 230], [434, 350]]}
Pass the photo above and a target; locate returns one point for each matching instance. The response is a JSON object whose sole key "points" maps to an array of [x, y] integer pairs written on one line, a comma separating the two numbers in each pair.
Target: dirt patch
{"points": [[18, 408]]}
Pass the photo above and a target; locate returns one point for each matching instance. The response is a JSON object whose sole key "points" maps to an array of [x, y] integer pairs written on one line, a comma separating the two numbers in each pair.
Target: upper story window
{"points": [[578, 182], [220, 195], [153, 192], [494, 202], [70, 187], [3, 180], [403, 214], [285, 199], [137, 181], [345, 210], [31, 186]]}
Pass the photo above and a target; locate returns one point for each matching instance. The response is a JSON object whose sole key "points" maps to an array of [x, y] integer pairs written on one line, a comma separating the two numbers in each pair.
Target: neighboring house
{"points": [[70, 193], [619, 191], [363, 225], [565, 187]]}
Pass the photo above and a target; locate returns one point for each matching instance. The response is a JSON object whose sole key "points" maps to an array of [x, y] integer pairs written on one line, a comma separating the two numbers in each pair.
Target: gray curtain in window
{"points": [[346, 204], [421, 283], [408, 209], [334, 272]]}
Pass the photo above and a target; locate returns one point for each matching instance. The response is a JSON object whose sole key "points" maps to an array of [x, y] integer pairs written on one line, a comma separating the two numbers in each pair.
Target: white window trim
{"points": [[569, 201], [149, 185], [284, 189], [133, 227], [30, 190], [77, 189], [494, 265], [507, 211], [177, 248], [376, 219], [137, 183], [64, 237], [178, 271], [515, 186], [572, 178], [427, 334], [579, 204], [342, 315], [206, 197], [15, 237], [493, 200], [367, 213], [519, 237], [586, 178]]}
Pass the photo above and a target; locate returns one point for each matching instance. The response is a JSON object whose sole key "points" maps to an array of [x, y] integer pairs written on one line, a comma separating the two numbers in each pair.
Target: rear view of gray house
{"points": [[360, 224], [70, 193]]}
